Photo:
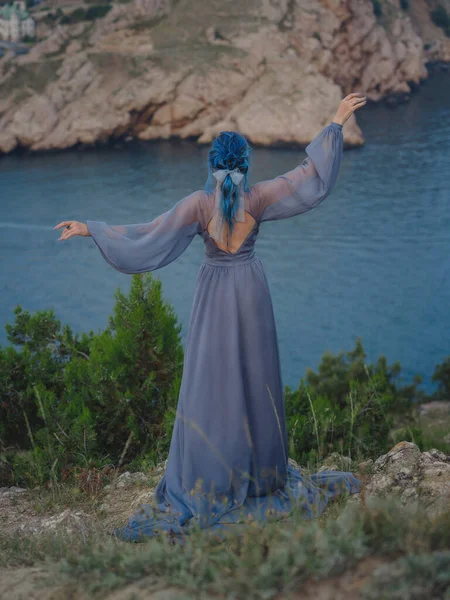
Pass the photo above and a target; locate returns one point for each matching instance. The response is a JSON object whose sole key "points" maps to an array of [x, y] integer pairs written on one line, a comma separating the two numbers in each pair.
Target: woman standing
{"points": [[228, 456]]}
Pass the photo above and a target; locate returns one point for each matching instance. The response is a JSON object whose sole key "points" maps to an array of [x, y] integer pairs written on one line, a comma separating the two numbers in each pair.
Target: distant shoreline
{"points": [[118, 143]]}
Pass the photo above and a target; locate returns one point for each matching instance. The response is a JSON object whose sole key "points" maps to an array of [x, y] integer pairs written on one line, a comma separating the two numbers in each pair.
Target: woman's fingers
{"points": [[67, 233], [63, 233], [359, 104], [354, 101], [72, 228], [66, 236], [63, 224], [353, 95], [348, 105]]}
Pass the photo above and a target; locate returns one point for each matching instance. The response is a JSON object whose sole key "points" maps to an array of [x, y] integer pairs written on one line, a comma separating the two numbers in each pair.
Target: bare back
{"points": [[240, 233]]}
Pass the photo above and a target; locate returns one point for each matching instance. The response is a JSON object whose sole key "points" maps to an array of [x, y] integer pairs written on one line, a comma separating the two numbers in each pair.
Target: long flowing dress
{"points": [[228, 457]]}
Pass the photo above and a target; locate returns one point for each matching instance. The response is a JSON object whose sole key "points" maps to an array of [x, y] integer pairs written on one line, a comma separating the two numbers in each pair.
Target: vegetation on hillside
{"points": [[441, 18]]}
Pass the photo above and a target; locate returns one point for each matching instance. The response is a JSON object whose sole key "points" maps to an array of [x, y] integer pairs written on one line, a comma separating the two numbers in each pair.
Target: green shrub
{"points": [[348, 407], [441, 375], [50, 18], [404, 4], [79, 14], [132, 376], [45, 349], [441, 18], [97, 12], [377, 10], [412, 434], [65, 401], [358, 429], [90, 14]]}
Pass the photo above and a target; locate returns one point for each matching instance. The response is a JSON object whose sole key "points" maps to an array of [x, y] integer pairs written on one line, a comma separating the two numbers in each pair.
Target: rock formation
{"points": [[275, 71], [412, 476]]}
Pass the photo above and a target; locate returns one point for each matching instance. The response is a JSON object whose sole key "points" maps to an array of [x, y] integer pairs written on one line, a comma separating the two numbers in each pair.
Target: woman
{"points": [[228, 457]]}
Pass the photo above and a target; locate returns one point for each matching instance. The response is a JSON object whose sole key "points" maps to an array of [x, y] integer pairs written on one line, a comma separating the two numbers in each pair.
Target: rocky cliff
{"points": [[274, 70]]}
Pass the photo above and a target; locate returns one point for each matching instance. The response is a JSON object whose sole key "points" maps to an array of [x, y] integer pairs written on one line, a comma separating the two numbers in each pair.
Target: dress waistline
{"points": [[229, 261]]}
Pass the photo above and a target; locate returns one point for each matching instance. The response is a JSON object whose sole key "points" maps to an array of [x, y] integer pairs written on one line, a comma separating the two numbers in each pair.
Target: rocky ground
{"points": [[404, 472], [276, 71]]}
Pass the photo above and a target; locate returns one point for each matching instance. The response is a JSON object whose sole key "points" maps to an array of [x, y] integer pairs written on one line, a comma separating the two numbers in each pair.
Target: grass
{"points": [[411, 577], [33, 75], [260, 560], [435, 431], [57, 498]]}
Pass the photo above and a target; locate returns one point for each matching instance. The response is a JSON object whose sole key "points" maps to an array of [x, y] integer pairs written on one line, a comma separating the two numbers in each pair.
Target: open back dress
{"points": [[228, 457]]}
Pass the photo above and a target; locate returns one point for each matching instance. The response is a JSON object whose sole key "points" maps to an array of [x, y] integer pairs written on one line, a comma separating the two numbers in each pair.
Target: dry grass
{"points": [[255, 560]]}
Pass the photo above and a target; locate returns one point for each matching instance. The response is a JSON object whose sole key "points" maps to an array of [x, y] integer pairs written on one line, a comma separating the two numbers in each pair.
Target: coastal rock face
{"points": [[152, 69]]}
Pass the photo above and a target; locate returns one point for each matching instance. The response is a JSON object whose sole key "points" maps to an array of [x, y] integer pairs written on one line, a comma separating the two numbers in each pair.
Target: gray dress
{"points": [[228, 457]]}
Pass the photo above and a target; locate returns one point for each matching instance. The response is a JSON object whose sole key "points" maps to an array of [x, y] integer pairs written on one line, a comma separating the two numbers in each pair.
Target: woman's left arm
{"points": [[307, 185]]}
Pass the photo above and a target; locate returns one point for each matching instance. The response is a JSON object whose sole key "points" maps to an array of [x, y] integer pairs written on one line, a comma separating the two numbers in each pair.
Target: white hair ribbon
{"points": [[236, 175], [219, 223]]}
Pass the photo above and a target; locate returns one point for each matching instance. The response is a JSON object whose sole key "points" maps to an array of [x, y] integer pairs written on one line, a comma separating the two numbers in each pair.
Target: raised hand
{"points": [[348, 106], [73, 228]]}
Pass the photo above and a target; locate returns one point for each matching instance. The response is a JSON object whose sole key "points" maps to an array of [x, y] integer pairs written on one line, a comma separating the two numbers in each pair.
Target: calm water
{"points": [[372, 260]]}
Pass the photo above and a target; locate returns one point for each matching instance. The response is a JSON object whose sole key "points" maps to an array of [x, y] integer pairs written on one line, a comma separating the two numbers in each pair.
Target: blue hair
{"points": [[229, 150]]}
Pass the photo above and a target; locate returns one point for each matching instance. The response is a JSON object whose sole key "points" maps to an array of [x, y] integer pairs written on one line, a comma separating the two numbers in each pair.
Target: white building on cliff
{"points": [[15, 22]]}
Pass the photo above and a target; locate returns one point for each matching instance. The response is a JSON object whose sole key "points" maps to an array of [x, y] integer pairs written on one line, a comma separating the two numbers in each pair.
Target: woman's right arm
{"points": [[142, 247]]}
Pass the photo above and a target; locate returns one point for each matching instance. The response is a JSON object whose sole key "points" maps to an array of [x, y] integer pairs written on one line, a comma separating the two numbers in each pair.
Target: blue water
{"points": [[371, 261]]}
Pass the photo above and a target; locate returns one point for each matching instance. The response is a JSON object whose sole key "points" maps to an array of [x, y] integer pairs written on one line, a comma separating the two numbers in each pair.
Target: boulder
{"points": [[412, 476], [68, 521]]}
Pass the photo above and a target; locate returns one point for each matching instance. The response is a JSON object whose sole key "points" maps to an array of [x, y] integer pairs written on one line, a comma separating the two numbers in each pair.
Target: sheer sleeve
{"points": [[145, 247], [304, 187]]}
